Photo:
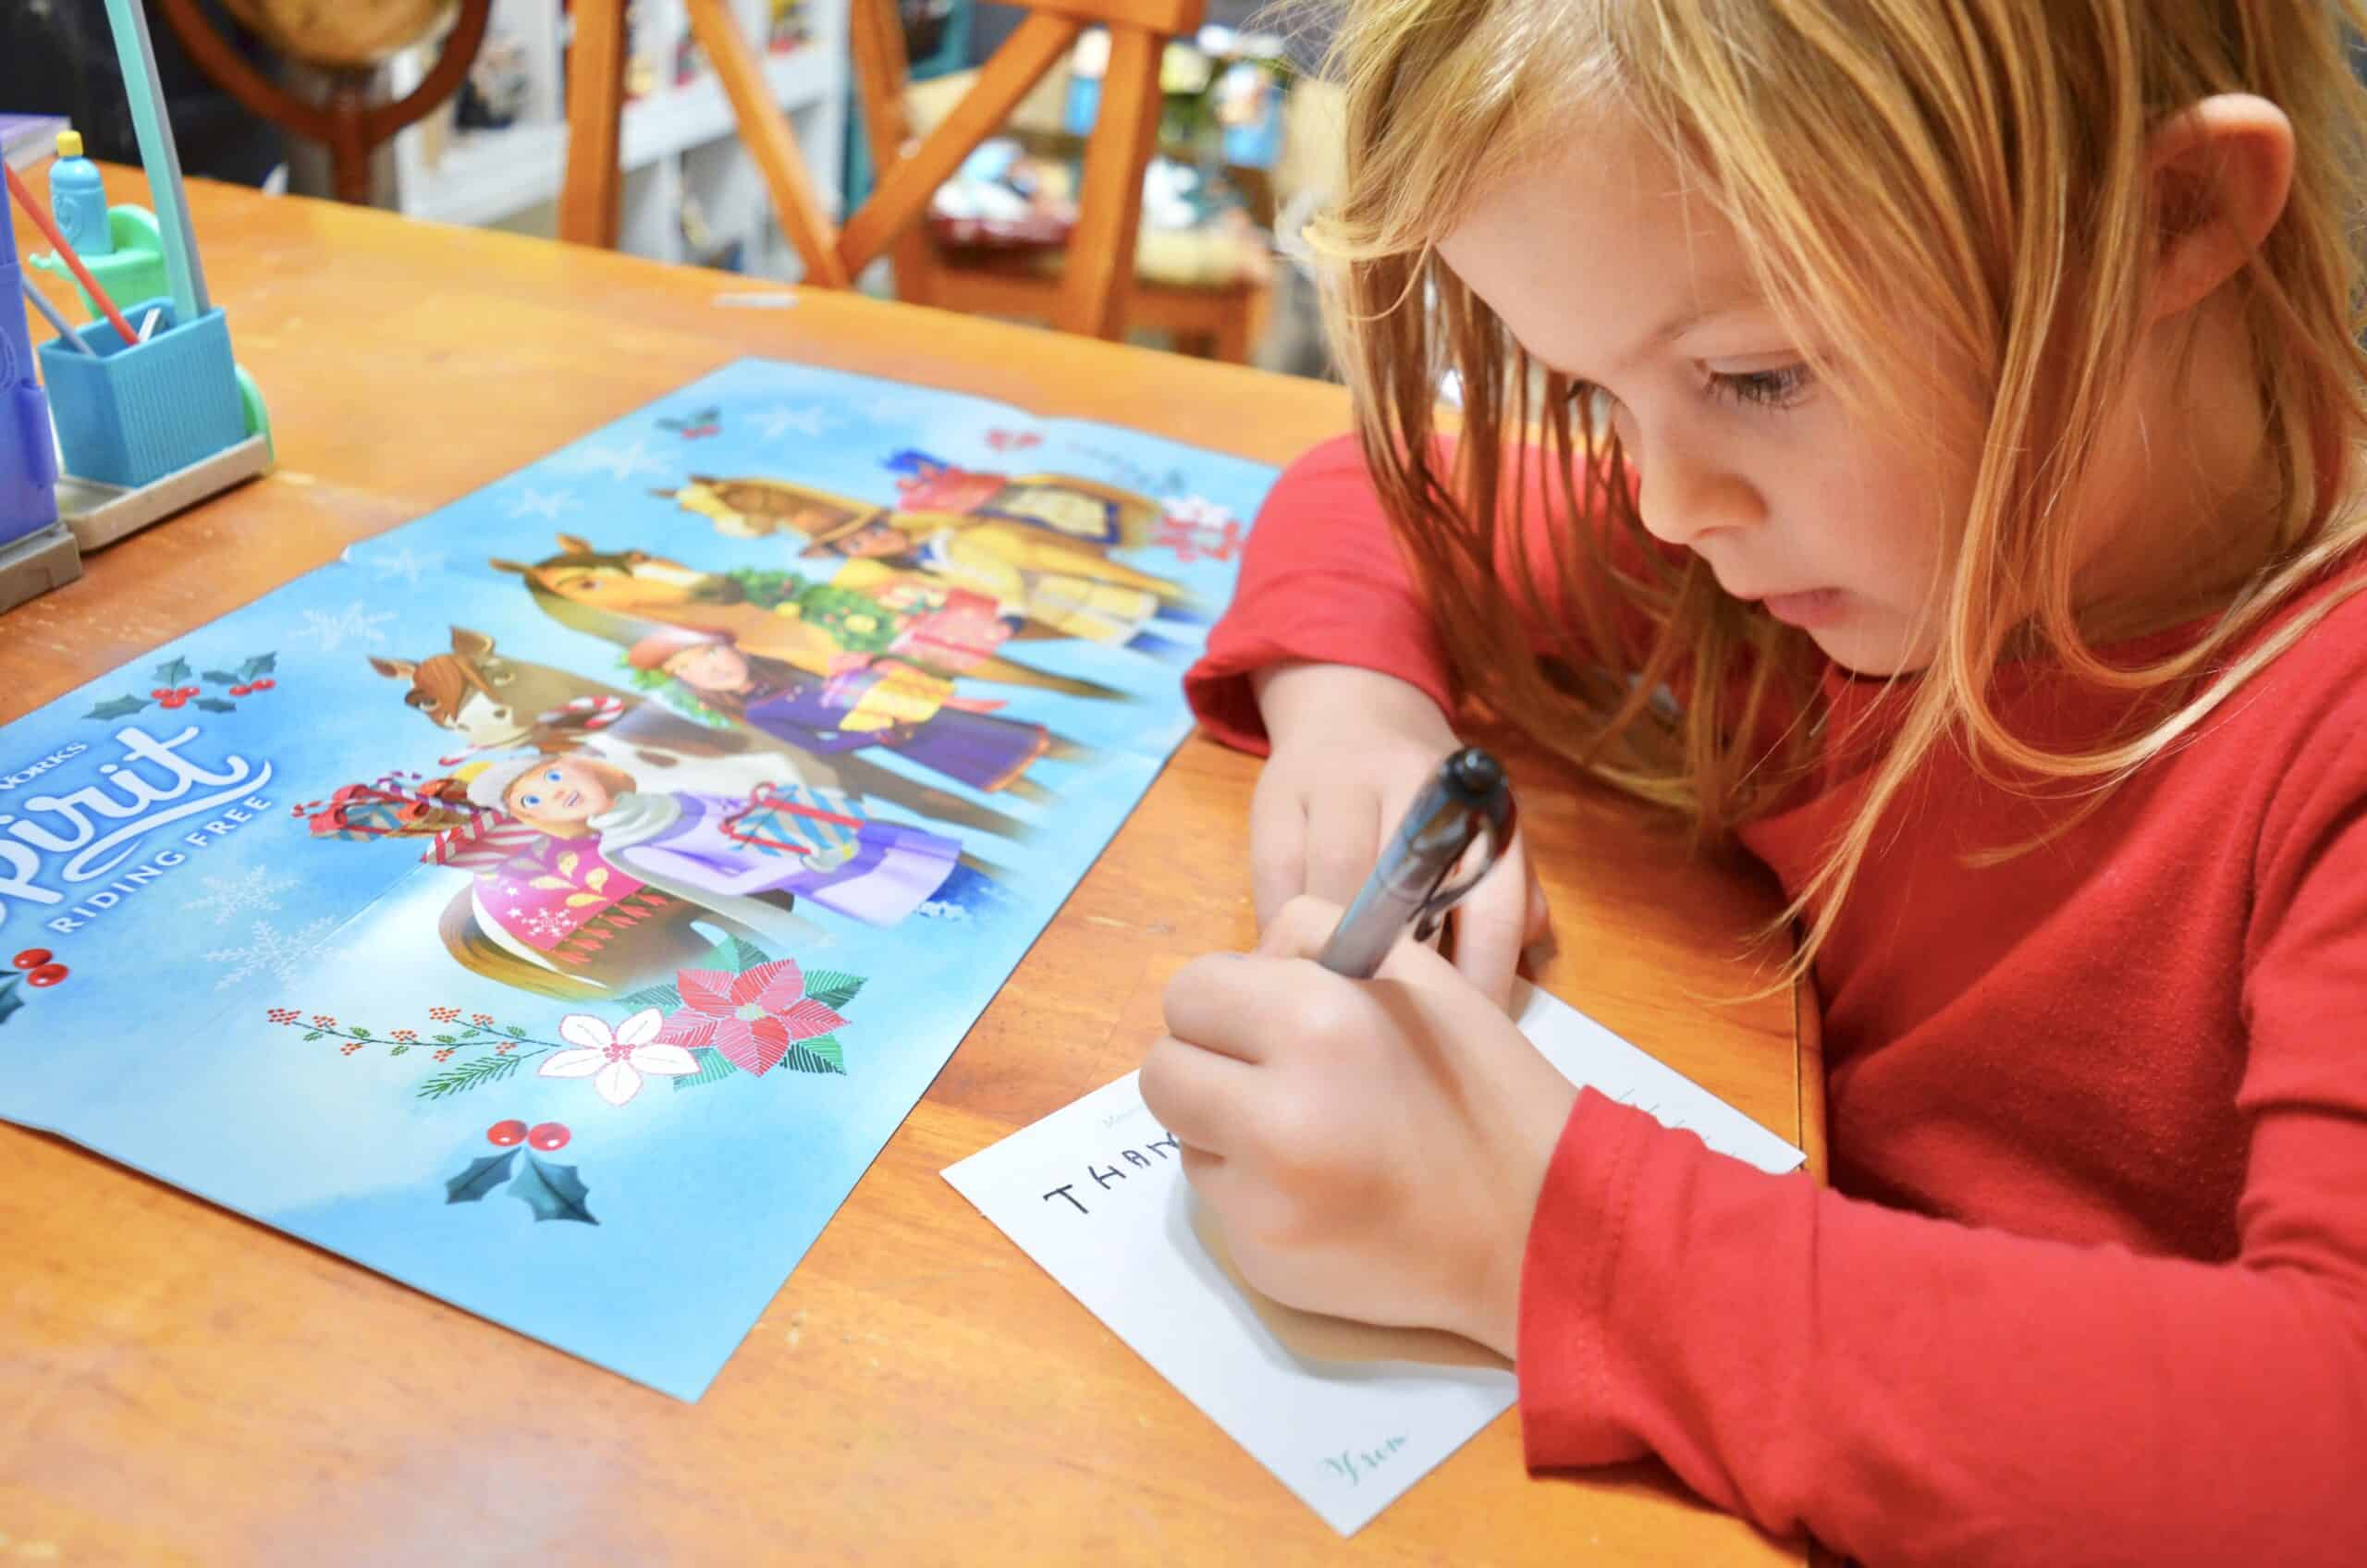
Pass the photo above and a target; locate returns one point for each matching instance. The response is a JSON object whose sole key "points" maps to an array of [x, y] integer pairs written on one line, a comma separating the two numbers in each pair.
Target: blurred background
{"points": [[1247, 144]]}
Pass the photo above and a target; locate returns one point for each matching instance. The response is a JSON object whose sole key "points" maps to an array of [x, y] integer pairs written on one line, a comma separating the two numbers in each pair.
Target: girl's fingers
{"points": [[1199, 1095], [1300, 928], [1491, 926]]}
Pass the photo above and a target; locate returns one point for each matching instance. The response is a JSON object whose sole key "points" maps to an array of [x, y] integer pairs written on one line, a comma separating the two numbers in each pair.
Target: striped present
{"points": [[796, 819]]}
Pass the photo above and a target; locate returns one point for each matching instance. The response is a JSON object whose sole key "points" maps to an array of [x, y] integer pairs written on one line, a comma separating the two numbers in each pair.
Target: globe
{"points": [[347, 34]]}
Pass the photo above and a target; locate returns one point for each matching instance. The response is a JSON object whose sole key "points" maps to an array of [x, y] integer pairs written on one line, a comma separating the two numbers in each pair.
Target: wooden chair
{"points": [[1206, 289], [1093, 292]]}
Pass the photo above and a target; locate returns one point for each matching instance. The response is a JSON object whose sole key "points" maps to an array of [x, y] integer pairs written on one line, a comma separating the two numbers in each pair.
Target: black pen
{"points": [[1466, 799]]}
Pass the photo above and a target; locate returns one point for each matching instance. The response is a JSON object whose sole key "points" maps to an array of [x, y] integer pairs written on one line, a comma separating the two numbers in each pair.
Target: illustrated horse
{"points": [[623, 596], [498, 703]]}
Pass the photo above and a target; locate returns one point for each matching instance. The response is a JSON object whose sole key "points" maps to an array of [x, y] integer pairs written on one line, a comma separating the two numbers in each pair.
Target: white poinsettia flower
{"points": [[615, 1059]]}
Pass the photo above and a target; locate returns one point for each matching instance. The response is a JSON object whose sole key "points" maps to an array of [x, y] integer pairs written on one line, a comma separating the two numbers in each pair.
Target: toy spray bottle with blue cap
{"points": [[77, 198], [28, 455]]}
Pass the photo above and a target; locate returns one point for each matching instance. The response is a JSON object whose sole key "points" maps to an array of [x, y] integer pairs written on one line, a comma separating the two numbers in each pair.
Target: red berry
{"points": [[549, 1135], [171, 702], [240, 690], [265, 685], [162, 691], [31, 958], [47, 974], [507, 1134], [184, 692]]}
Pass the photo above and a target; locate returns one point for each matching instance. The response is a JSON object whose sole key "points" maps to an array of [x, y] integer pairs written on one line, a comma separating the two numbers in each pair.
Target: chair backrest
{"points": [[1100, 252]]}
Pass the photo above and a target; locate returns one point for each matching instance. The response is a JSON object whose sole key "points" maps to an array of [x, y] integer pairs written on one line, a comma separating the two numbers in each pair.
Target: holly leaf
{"points": [[714, 1067], [832, 988], [664, 999], [820, 1054], [10, 1002], [118, 707], [215, 704], [219, 677], [733, 956], [553, 1192], [173, 672], [262, 663], [482, 1177]]}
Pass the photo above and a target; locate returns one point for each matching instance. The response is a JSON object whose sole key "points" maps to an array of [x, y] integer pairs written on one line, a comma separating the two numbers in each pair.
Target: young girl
{"points": [[719, 853], [1945, 485]]}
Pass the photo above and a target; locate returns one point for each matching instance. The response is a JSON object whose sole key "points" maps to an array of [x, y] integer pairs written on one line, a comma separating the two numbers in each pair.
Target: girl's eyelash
{"points": [[1760, 388], [1763, 388]]}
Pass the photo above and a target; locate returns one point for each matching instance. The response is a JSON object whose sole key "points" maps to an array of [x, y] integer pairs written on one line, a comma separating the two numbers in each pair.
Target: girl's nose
{"points": [[1684, 496]]}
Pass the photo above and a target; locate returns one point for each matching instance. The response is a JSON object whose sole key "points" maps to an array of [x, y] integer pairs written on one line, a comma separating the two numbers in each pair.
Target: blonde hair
{"points": [[1982, 159], [615, 780]]}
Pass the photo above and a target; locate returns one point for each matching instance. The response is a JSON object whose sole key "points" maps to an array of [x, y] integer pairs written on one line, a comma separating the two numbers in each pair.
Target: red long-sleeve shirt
{"points": [[2090, 1285]]}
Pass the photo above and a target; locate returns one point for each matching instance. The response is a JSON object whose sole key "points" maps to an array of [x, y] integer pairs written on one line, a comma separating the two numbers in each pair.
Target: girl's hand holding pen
{"points": [[1372, 1149]]}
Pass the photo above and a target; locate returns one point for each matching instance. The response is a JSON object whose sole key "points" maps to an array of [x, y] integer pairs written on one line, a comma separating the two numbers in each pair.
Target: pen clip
{"points": [[1495, 822]]}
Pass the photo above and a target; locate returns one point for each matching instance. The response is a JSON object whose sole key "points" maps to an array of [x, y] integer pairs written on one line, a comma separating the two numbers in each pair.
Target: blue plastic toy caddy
{"points": [[129, 416]]}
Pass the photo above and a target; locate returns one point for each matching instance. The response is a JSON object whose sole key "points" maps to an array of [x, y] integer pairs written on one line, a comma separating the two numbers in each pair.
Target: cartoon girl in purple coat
{"points": [[812, 843], [872, 703]]}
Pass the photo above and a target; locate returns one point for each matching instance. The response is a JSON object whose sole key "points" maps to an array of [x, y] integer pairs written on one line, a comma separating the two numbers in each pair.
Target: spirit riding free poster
{"points": [[556, 903]]}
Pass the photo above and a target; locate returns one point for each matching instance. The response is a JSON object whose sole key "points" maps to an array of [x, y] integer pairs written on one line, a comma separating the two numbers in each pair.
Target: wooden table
{"points": [[178, 1385]]}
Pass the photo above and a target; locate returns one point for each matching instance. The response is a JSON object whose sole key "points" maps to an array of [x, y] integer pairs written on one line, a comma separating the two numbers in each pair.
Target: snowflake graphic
{"points": [[622, 464], [812, 420], [331, 630], [256, 892], [887, 410], [280, 955], [405, 563], [549, 505], [937, 908], [549, 924]]}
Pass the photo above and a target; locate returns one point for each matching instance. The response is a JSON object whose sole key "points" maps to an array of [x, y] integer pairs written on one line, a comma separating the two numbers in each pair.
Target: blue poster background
{"points": [[245, 1007]]}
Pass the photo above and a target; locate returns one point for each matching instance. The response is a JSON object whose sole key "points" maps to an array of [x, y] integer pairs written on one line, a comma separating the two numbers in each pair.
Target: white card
{"points": [[1094, 1194]]}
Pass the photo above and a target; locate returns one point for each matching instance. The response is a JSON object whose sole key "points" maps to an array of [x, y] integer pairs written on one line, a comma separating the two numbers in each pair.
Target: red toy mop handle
{"points": [[81, 274]]}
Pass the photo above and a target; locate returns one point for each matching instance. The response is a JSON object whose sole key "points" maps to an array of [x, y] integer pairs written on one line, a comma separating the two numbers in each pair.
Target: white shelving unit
{"points": [[678, 141]]}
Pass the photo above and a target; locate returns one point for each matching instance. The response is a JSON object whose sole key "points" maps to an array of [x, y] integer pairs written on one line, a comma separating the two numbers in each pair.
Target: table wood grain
{"points": [[178, 1385]]}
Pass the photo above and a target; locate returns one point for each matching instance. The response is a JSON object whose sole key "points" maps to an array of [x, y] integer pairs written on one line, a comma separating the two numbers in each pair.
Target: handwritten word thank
{"points": [[1105, 1177]]}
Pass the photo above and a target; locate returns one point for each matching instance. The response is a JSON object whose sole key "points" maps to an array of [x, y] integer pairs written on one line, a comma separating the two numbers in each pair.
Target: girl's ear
{"points": [[2221, 172]]}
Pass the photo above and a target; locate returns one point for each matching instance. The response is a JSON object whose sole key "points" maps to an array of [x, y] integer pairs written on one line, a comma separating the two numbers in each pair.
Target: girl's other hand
{"points": [[1373, 1149], [1351, 750]]}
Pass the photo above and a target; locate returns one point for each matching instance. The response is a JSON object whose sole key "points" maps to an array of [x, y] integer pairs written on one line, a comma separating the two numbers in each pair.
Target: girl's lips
{"points": [[1817, 606]]}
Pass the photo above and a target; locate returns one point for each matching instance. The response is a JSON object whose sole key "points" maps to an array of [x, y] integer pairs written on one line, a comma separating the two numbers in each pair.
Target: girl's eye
{"points": [[552, 776], [532, 802], [1777, 388]]}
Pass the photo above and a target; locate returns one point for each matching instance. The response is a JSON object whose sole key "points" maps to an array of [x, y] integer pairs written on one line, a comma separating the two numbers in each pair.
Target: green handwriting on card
{"points": [[1352, 1465]]}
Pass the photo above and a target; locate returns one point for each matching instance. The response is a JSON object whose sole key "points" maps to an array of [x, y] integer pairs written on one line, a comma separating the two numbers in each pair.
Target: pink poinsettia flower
{"points": [[615, 1059], [752, 1018]]}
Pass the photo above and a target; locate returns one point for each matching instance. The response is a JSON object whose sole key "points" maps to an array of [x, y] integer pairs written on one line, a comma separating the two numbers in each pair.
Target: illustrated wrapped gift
{"points": [[391, 805], [795, 819]]}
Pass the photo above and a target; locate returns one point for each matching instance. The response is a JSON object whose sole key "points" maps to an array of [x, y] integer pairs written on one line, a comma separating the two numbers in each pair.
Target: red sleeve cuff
{"points": [[1218, 686], [1322, 582], [1575, 1243]]}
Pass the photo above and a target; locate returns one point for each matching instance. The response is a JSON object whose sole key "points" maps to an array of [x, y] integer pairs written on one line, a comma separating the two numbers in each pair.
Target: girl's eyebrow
{"points": [[1734, 299]]}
